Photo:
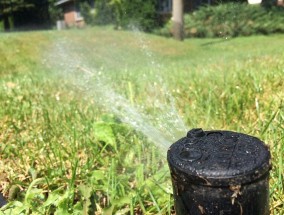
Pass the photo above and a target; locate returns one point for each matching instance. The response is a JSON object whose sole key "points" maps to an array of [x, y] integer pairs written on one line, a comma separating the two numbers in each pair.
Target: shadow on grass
{"points": [[217, 42]]}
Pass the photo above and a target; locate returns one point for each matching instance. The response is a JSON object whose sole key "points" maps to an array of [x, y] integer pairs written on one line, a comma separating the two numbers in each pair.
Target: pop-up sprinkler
{"points": [[220, 173]]}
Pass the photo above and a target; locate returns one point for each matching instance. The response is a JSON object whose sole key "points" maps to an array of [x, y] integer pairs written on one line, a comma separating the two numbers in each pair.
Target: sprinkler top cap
{"points": [[218, 158]]}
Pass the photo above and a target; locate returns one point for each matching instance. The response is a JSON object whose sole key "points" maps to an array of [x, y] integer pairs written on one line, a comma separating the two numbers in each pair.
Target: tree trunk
{"points": [[177, 18], [6, 23]]}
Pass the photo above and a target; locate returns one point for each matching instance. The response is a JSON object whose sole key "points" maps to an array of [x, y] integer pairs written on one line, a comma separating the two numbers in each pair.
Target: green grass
{"points": [[61, 152]]}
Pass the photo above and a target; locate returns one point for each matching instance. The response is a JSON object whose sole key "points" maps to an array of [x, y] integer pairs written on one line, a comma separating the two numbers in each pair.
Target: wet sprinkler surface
{"points": [[220, 172]]}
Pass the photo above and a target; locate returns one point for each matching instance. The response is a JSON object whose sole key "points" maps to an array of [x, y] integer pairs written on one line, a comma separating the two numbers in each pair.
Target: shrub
{"points": [[231, 20], [104, 12], [141, 13], [55, 13], [86, 12], [122, 13]]}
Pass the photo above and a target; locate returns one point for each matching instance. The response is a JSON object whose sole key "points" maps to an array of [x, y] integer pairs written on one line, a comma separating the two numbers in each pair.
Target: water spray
{"points": [[213, 172], [220, 172]]}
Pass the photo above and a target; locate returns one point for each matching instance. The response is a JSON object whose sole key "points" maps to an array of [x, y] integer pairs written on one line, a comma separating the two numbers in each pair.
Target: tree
{"points": [[177, 19], [55, 12], [8, 8], [126, 14]]}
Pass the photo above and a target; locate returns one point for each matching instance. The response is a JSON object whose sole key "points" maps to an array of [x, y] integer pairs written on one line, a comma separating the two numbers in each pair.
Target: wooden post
{"points": [[177, 19]]}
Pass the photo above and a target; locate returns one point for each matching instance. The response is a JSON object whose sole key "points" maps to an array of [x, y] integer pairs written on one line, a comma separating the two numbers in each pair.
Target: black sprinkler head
{"points": [[220, 172]]}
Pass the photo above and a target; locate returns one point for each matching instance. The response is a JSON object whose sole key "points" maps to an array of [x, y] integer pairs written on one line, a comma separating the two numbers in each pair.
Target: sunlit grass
{"points": [[62, 152]]}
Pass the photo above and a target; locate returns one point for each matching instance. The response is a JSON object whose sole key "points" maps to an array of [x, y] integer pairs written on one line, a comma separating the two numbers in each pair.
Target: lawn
{"points": [[87, 115]]}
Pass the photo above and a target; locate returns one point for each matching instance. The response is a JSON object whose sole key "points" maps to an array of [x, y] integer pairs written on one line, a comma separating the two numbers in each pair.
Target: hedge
{"points": [[231, 20]]}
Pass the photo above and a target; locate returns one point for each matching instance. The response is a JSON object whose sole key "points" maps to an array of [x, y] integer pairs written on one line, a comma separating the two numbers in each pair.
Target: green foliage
{"points": [[231, 20], [55, 12], [9, 6], [1, 26], [138, 13], [104, 13], [123, 14], [269, 3], [86, 12]]}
